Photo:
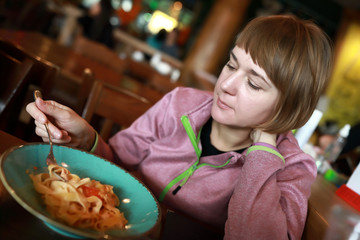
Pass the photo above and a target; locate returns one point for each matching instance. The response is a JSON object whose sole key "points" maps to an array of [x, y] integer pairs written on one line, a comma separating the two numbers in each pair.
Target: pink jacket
{"points": [[256, 195]]}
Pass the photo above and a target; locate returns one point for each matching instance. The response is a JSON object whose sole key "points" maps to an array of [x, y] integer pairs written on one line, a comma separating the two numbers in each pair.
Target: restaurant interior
{"points": [[79, 52]]}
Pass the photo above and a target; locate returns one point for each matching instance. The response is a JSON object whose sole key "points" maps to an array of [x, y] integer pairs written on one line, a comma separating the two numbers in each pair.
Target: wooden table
{"points": [[15, 221], [135, 44], [321, 204], [73, 62], [44, 47], [18, 224]]}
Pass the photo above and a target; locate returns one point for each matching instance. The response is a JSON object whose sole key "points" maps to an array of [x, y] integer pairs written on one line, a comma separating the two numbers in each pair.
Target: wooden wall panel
{"points": [[217, 35]]}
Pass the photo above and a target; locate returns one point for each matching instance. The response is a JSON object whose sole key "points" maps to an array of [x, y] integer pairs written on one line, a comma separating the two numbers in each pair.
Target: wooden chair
{"points": [[67, 89], [115, 105], [163, 83], [141, 89], [71, 90], [141, 71], [13, 80], [99, 53], [147, 75], [42, 72]]}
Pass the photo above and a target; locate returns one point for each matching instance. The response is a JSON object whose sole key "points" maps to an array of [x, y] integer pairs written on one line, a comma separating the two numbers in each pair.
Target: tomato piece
{"points": [[91, 191]]}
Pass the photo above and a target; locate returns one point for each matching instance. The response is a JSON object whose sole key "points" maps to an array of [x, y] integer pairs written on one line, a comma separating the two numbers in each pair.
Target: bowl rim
{"points": [[63, 226]]}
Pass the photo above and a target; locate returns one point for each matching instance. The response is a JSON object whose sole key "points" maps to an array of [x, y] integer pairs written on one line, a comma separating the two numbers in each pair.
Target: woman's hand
{"points": [[258, 135], [66, 126]]}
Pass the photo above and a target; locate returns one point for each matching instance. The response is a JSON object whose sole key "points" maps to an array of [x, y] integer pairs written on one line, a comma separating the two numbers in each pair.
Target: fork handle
{"points": [[37, 94]]}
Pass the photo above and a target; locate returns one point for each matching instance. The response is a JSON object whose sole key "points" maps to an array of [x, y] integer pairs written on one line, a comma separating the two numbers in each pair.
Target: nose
{"points": [[231, 82]]}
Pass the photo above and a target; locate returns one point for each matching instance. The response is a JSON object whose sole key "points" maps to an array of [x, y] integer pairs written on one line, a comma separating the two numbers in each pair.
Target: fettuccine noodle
{"points": [[82, 203]]}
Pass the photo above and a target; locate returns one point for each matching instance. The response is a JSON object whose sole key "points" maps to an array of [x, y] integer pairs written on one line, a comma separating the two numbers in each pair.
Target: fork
{"points": [[50, 159]]}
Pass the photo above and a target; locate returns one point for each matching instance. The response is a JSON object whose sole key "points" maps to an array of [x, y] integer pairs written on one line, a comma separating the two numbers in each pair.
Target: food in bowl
{"points": [[79, 202], [136, 202]]}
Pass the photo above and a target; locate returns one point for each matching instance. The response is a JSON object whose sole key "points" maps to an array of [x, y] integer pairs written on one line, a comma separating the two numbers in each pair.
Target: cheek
{"points": [[256, 108]]}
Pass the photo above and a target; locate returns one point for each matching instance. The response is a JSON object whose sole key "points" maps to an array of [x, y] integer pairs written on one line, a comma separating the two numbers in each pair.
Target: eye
{"points": [[230, 67], [253, 86]]}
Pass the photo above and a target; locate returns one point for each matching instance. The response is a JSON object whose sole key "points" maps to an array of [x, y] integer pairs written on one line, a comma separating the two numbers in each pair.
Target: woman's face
{"points": [[244, 96]]}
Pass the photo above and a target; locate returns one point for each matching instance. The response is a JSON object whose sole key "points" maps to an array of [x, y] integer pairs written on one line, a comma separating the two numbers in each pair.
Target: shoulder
{"points": [[288, 145], [181, 101], [187, 95], [190, 91], [293, 154]]}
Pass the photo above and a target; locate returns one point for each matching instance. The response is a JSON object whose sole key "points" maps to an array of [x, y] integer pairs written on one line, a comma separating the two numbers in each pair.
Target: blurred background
{"points": [[198, 35]]}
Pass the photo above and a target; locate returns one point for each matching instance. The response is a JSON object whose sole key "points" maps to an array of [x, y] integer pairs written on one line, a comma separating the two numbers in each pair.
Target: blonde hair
{"points": [[297, 57]]}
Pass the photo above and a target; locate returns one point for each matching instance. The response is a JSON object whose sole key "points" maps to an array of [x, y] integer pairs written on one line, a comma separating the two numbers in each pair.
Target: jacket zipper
{"points": [[184, 176]]}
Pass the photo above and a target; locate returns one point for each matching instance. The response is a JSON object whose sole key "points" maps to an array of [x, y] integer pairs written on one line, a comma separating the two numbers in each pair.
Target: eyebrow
{"points": [[252, 71], [233, 55]]}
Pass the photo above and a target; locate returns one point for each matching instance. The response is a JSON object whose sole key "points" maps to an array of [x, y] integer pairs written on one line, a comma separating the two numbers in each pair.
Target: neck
{"points": [[227, 138]]}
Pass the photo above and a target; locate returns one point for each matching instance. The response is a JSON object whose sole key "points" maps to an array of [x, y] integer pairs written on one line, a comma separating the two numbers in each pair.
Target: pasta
{"points": [[79, 202]]}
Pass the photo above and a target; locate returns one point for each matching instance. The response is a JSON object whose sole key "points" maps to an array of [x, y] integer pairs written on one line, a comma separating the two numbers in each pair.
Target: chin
{"points": [[216, 114], [221, 118]]}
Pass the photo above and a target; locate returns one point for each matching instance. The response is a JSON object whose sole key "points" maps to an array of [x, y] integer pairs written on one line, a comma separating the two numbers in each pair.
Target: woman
{"points": [[225, 158]]}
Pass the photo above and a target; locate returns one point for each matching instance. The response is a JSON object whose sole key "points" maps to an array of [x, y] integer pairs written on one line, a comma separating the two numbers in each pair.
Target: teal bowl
{"points": [[136, 202]]}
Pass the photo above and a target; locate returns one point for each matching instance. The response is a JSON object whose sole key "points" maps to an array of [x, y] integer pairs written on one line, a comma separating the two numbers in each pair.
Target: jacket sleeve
{"points": [[270, 199]]}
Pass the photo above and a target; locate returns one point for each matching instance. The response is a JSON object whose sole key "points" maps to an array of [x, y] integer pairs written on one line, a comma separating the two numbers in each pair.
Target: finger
{"points": [[57, 135], [41, 133], [40, 130], [55, 132], [254, 134], [64, 140], [35, 113], [40, 127], [52, 109]]}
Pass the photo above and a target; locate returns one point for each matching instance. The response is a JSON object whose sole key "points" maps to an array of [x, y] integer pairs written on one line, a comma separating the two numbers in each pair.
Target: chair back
{"points": [[13, 79], [42, 73], [115, 105], [35, 72], [72, 90], [163, 83], [141, 71]]}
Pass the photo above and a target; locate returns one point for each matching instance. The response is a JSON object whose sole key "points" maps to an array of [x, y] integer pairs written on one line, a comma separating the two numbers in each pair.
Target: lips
{"points": [[222, 105]]}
